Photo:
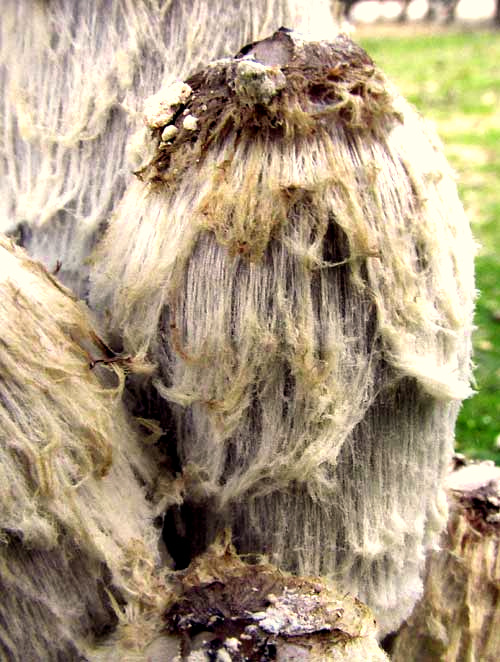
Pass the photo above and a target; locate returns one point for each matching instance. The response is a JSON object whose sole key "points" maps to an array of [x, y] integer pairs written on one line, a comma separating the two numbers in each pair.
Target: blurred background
{"points": [[444, 55]]}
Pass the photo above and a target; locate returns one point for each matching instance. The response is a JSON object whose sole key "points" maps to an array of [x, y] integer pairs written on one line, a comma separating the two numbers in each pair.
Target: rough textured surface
{"points": [[225, 609], [75, 522], [298, 264], [458, 617], [74, 75]]}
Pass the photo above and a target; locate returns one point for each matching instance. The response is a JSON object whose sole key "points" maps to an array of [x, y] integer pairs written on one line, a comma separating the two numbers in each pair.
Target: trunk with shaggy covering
{"points": [[296, 260]]}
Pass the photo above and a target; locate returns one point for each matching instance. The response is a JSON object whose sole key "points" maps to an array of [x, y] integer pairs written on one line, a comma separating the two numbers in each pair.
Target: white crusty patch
{"points": [[190, 123], [256, 83], [295, 614], [169, 132], [160, 108]]}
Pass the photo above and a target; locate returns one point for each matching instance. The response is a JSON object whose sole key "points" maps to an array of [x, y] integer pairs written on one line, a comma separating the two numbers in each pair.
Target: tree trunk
{"points": [[458, 617], [270, 261], [299, 298]]}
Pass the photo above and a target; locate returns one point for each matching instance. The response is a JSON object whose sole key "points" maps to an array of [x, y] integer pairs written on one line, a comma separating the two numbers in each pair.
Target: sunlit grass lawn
{"points": [[453, 78]]}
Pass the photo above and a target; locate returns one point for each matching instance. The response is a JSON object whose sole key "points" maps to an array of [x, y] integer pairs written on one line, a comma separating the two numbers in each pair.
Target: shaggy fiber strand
{"points": [[75, 525], [296, 260], [74, 74]]}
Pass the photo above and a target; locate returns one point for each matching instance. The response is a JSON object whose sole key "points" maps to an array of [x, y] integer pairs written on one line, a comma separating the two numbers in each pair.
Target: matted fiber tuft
{"points": [[75, 523]]}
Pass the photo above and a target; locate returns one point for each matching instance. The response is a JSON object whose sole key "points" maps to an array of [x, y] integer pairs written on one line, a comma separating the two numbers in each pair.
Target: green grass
{"points": [[453, 78]]}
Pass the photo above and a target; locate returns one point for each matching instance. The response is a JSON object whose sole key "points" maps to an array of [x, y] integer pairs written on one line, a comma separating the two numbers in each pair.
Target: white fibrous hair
{"points": [[298, 263], [76, 526], [74, 74]]}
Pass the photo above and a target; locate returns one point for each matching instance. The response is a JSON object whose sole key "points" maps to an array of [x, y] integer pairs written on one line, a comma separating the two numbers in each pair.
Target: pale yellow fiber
{"points": [[76, 478]]}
